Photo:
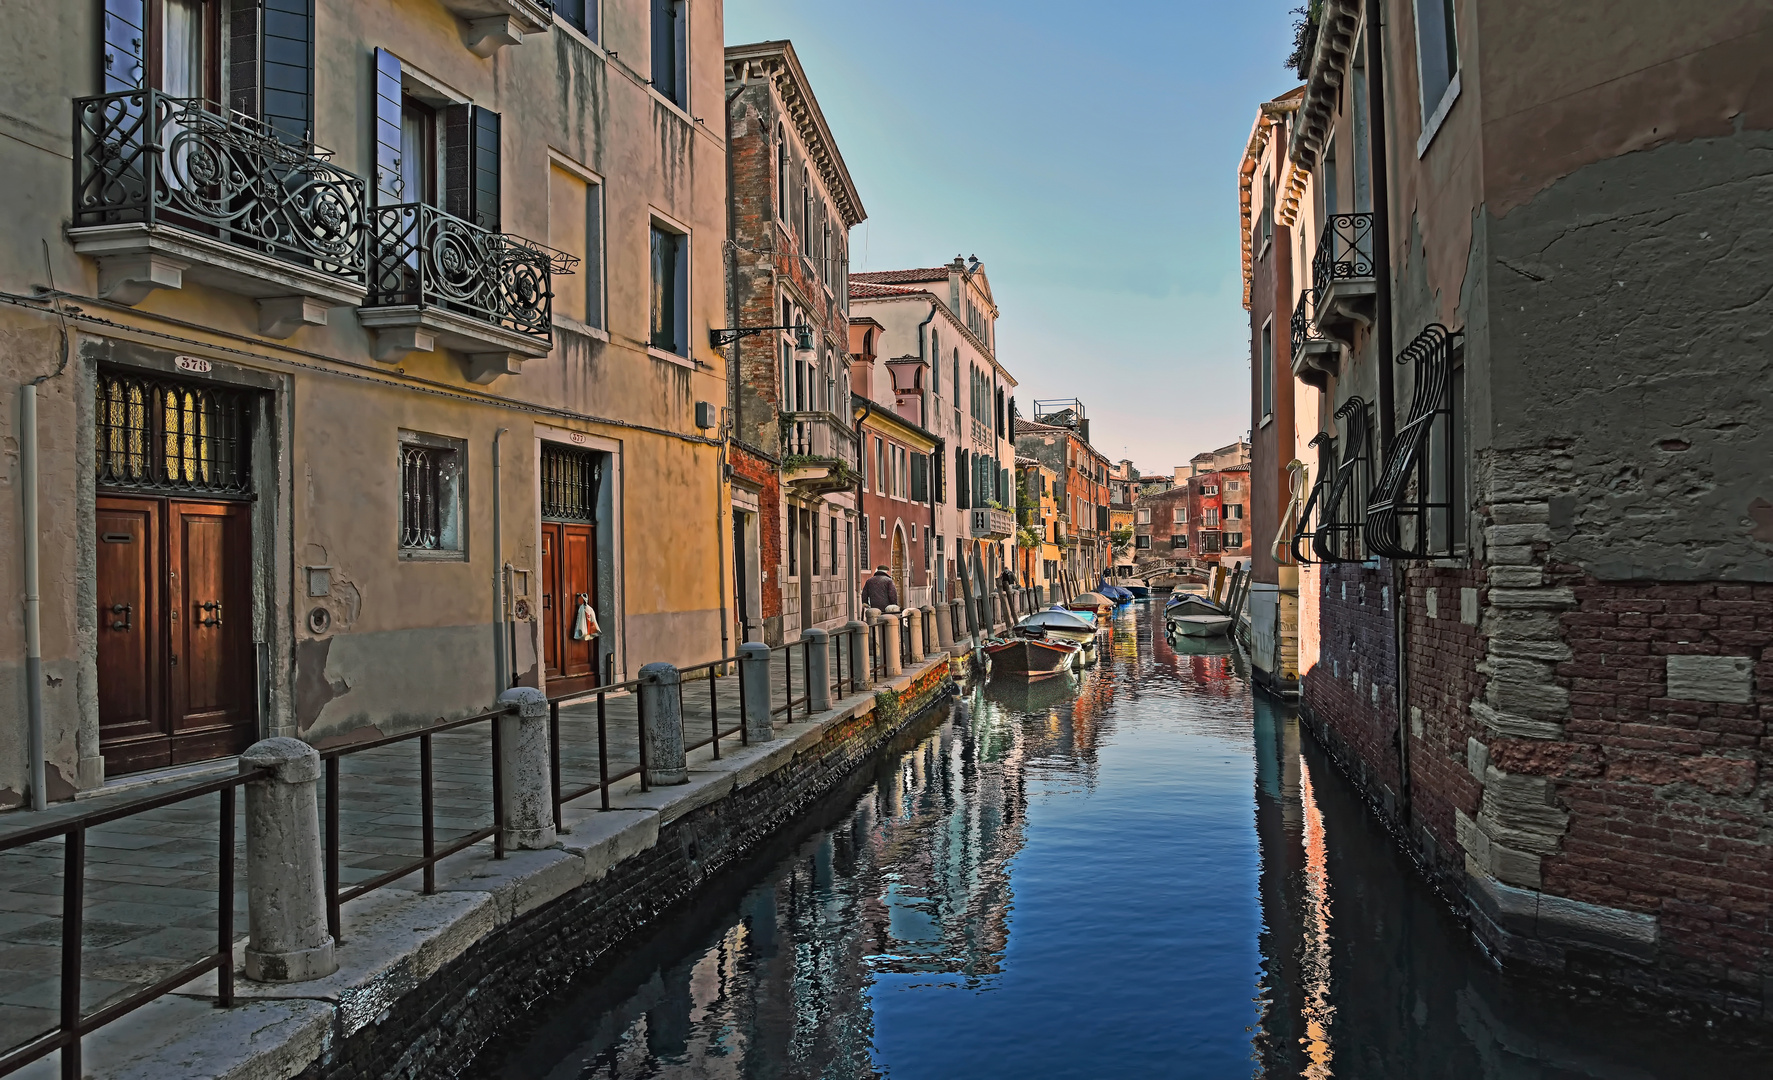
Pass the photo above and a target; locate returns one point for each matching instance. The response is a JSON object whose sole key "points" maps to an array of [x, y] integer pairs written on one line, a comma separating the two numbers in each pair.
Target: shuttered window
{"points": [[286, 71], [125, 30], [668, 50], [471, 159], [581, 15], [389, 188]]}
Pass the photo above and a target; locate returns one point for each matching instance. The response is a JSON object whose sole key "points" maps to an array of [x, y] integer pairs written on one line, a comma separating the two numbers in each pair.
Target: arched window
{"points": [[806, 213], [935, 362], [781, 173]]}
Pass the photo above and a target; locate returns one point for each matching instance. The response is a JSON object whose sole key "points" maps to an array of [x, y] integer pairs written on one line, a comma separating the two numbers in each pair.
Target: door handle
{"points": [[125, 610], [215, 608]]}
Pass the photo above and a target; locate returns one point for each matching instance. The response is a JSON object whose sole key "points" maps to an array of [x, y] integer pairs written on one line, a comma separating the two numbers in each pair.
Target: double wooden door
{"points": [[569, 578], [175, 664]]}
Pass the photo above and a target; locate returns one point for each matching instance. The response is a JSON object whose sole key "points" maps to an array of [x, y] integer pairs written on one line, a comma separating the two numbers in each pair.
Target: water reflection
{"points": [[1061, 879]]}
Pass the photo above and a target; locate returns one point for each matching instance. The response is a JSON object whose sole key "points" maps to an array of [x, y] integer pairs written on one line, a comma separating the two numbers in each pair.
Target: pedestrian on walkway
{"points": [[879, 592]]}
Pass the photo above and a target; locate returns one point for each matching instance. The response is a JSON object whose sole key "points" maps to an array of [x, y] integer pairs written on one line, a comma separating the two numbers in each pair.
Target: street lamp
{"points": [[803, 335]]}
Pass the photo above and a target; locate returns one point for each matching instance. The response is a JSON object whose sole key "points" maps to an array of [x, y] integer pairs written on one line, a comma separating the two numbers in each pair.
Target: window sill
{"points": [[566, 322], [659, 96], [1267, 419], [414, 555], [1432, 125], [671, 358], [579, 36]]}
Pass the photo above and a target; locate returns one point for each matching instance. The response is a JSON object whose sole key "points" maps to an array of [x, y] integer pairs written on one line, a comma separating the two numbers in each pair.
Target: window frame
{"points": [[677, 94], [594, 264], [680, 350], [452, 498]]}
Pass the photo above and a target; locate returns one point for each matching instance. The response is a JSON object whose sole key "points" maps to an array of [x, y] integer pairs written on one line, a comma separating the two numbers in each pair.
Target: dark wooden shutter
{"points": [[471, 164], [122, 47], [486, 169], [389, 186], [961, 480], [286, 82], [1101, 519], [920, 478], [245, 43], [668, 49]]}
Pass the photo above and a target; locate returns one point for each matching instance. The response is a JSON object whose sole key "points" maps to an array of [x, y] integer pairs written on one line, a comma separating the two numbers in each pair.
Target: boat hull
{"points": [[1030, 658], [1201, 625]]}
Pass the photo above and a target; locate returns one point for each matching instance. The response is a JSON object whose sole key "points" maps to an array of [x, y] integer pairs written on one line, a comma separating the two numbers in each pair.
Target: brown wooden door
{"points": [[209, 621], [175, 661], [131, 646], [551, 620], [569, 575]]}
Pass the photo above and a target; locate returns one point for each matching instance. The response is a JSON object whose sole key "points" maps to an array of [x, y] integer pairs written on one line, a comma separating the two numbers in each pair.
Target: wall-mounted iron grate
{"points": [[167, 436], [570, 482]]}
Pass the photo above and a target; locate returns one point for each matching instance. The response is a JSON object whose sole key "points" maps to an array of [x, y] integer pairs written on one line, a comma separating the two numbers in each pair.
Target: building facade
{"points": [[898, 513], [793, 448], [339, 441], [1059, 438], [1040, 535], [938, 368], [1538, 643]]}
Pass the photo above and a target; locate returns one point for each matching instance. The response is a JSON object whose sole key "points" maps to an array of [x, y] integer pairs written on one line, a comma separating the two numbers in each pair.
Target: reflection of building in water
{"points": [[1281, 1036]]}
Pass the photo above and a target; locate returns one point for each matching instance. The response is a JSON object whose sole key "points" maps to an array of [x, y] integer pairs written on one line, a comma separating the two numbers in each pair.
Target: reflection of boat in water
{"points": [[1031, 654], [1217, 645], [1033, 696]]}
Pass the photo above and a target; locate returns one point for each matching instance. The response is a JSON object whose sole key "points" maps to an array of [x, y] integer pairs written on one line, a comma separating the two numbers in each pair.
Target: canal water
{"points": [[1145, 871]]}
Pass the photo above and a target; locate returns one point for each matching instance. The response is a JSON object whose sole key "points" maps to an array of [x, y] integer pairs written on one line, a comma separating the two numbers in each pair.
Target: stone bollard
{"points": [[754, 666], [526, 791], [914, 633], [930, 636], [818, 669], [855, 655], [285, 882], [894, 666], [943, 616], [661, 707]]}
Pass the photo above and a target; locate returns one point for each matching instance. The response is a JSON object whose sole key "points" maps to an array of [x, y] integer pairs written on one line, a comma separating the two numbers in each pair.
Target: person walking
{"points": [[879, 592]]}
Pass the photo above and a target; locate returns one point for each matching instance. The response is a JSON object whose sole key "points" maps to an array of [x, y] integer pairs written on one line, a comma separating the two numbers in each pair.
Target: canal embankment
{"points": [[423, 979]]}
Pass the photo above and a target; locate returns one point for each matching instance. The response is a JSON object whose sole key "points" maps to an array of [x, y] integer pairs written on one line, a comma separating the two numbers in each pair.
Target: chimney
{"points": [[1183, 472]]}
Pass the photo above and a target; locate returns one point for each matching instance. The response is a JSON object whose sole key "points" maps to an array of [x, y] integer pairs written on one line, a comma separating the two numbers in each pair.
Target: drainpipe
{"points": [[732, 379], [501, 676], [1386, 349]]}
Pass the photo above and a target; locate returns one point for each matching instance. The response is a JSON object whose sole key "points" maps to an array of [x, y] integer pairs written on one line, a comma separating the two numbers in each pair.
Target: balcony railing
{"points": [[981, 433], [1345, 251], [993, 524], [145, 158], [425, 257], [820, 436]]}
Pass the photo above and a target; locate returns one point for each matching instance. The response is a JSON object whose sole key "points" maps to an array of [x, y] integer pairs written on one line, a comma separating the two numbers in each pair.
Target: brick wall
{"points": [[1444, 648], [1349, 697], [762, 472]]}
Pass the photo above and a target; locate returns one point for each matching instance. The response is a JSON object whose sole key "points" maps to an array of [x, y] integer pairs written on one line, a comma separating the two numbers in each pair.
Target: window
{"points": [[1235, 511], [575, 226], [670, 316], [880, 468], [570, 482], [1266, 223], [1209, 543], [1178, 540], [1267, 376], [669, 44], [1142, 517], [1437, 53], [1234, 485], [1233, 540], [833, 534], [883, 528], [431, 495], [1209, 517], [1142, 542], [793, 540], [806, 212], [781, 173], [935, 362], [581, 15], [1210, 489], [863, 554]]}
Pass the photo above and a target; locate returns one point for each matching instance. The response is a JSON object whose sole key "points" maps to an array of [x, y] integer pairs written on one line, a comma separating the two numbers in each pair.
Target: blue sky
{"points": [[1087, 153]]}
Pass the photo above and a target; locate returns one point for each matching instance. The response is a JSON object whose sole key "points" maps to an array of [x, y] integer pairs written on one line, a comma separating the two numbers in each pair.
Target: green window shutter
{"points": [[486, 167], [920, 478]]}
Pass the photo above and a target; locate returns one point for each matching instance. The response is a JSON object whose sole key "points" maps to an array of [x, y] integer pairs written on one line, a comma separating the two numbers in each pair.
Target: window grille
{"points": [[571, 480], [162, 435], [1343, 509], [1319, 497], [430, 493], [1413, 509]]}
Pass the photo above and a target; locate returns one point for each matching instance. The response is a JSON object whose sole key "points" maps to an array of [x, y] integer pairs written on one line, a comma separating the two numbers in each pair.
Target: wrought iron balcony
{"points": [[818, 453], [993, 524], [439, 281], [166, 186], [1315, 356], [1342, 274]]}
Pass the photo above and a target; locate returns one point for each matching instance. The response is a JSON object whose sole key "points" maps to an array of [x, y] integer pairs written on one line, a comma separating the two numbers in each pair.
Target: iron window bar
{"points": [[423, 474], [163, 435], [145, 157], [427, 257], [571, 481], [1405, 493], [1344, 251], [1320, 494], [1338, 534]]}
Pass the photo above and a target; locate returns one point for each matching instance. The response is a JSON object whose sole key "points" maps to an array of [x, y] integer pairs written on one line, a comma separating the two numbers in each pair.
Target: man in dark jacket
{"points": [[879, 592]]}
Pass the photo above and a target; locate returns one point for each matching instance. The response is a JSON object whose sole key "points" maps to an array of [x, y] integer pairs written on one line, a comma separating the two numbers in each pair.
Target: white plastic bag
{"points": [[585, 621]]}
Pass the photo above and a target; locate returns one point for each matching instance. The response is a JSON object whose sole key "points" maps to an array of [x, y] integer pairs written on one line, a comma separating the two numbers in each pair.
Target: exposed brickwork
{"points": [[1350, 695], [435, 1028], [764, 474], [1444, 652]]}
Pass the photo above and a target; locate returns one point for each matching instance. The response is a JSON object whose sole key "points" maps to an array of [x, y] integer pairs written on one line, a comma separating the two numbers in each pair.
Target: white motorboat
{"points": [[1201, 625]]}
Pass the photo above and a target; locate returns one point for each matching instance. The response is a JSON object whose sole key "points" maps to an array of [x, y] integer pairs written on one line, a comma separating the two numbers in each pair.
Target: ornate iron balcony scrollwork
{"points": [[1345, 251], [1305, 534], [143, 157], [1410, 490], [1343, 508], [427, 257]]}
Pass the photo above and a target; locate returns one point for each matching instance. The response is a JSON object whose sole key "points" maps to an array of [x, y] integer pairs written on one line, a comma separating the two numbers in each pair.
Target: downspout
{"points": [[27, 408], [501, 676], [932, 361], [1385, 347], [732, 384]]}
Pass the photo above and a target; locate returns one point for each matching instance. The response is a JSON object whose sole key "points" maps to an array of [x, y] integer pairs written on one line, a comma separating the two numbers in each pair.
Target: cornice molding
{"points": [[776, 61], [1338, 32]]}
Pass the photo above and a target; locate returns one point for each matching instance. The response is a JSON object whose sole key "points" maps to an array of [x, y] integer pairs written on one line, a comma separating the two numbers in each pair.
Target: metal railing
{"points": [[427, 257], [73, 1024], [605, 778], [337, 894], [993, 524], [144, 157], [1304, 324], [818, 435], [1344, 251]]}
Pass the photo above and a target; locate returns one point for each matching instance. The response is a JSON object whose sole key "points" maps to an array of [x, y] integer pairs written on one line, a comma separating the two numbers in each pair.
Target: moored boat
{"points": [[1141, 590], [1201, 625], [1031, 657], [1091, 601], [1078, 626], [1190, 603]]}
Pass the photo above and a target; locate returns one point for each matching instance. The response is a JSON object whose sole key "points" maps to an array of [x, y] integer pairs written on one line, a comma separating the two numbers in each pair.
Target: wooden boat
{"points": [[1141, 590], [1190, 603], [1031, 657], [1199, 646], [1066, 625], [1091, 601], [1201, 625]]}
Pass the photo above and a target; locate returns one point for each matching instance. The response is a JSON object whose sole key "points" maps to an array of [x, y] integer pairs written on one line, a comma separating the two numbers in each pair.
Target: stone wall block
{"points": [[1519, 868], [1509, 555], [1527, 687], [526, 788], [1507, 535], [287, 939], [1549, 651], [662, 708], [1558, 599], [1520, 513], [1510, 724], [1518, 811], [1727, 679], [1516, 577]]}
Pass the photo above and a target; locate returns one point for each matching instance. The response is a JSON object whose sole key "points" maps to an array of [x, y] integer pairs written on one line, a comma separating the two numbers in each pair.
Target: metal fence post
{"points": [[525, 788], [661, 711], [285, 892]]}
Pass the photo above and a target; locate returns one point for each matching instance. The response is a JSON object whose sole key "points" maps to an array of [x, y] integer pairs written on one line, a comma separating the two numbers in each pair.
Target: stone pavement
{"points": [[151, 879]]}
